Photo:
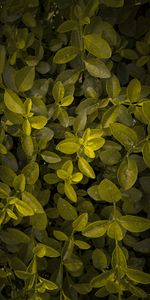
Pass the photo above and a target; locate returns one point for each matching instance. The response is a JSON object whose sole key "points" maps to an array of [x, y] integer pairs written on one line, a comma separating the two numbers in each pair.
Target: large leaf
{"points": [[13, 102], [97, 46], [24, 78]]}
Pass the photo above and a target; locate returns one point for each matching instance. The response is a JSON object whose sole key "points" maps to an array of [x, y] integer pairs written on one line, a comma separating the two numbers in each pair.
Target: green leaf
{"points": [[67, 100], [110, 116], [42, 250], [32, 202], [100, 280], [14, 236], [50, 157], [63, 117], [68, 146], [23, 274], [70, 192], [138, 292], [108, 191], [134, 223], [99, 259], [81, 244], [94, 193], [115, 231], [69, 25], [127, 173], [24, 78], [58, 91], [97, 68], [31, 172], [19, 183], [113, 87], [59, 235], [118, 261], [7, 175], [146, 109], [146, 153], [65, 55], [95, 229], [73, 265], [138, 276], [134, 90], [85, 168], [38, 122], [97, 46], [4, 190], [13, 102], [80, 223], [24, 208], [124, 135], [27, 145], [143, 246], [66, 210], [49, 285]]}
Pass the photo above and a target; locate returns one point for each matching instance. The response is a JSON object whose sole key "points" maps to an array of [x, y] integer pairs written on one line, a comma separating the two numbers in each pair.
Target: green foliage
{"points": [[74, 149]]}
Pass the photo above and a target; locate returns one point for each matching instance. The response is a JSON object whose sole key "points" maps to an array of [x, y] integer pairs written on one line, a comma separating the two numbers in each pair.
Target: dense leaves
{"points": [[74, 149]]}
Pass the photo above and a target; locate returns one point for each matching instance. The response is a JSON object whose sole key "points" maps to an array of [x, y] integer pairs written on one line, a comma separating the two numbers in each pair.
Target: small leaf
{"points": [[138, 276], [13, 102], [146, 153], [99, 259], [100, 280], [38, 122], [146, 109], [134, 223], [68, 146], [32, 202], [108, 191], [97, 68], [80, 223], [24, 78], [70, 192], [49, 285], [42, 250], [81, 244], [94, 193], [23, 274], [19, 183], [24, 208], [58, 91], [115, 231], [50, 157], [113, 87], [110, 116], [125, 135], [134, 90], [118, 260], [65, 55], [31, 172], [2, 58], [95, 229], [69, 25], [127, 173], [66, 210], [113, 3], [85, 168], [59, 235], [97, 46]]}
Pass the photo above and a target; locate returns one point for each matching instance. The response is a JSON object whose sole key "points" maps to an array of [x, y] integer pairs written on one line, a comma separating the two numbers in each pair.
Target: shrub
{"points": [[75, 149]]}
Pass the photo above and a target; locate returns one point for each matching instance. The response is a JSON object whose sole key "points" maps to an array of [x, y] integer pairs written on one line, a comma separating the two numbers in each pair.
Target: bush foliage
{"points": [[75, 149]]}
